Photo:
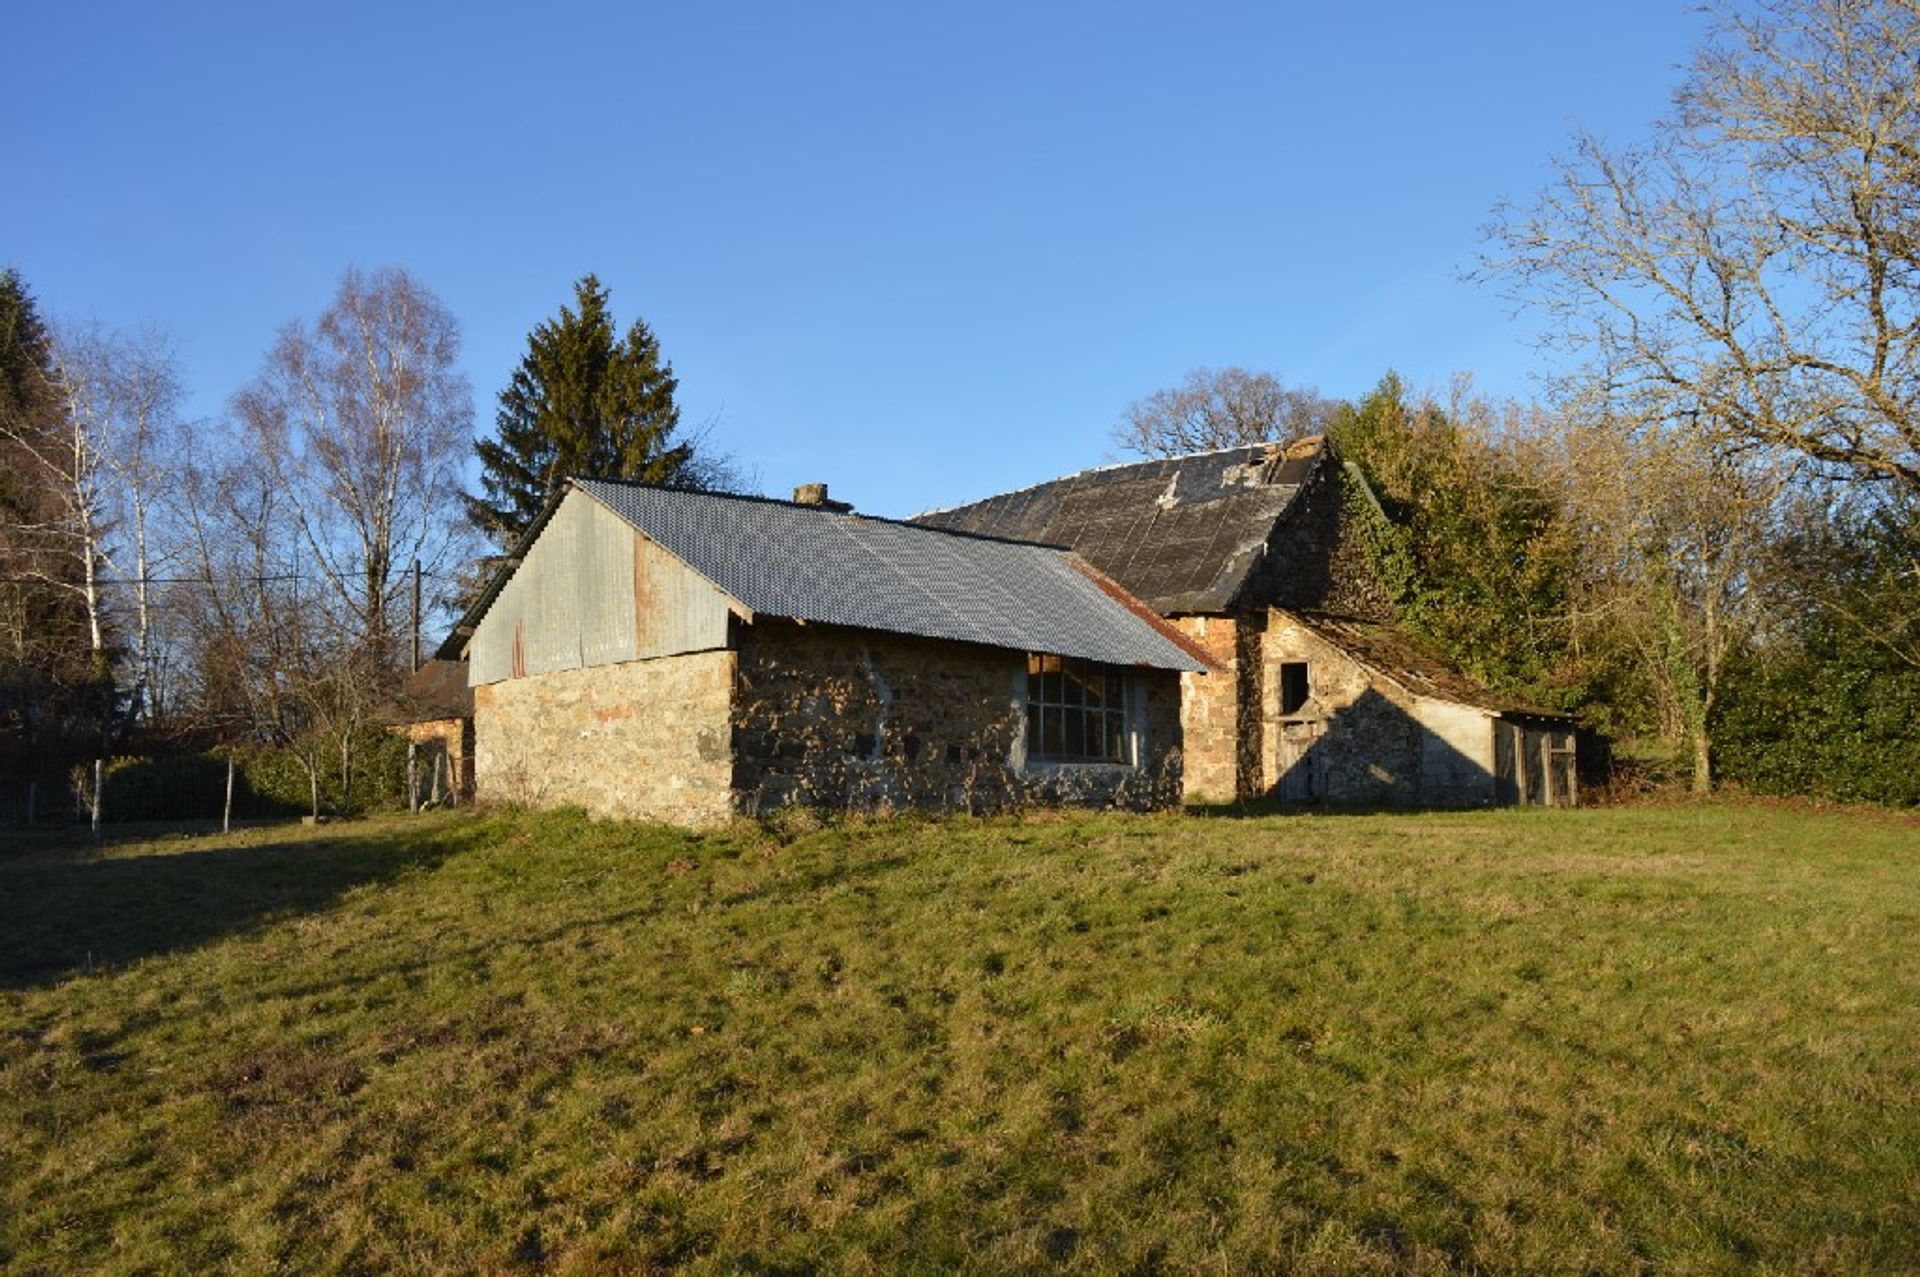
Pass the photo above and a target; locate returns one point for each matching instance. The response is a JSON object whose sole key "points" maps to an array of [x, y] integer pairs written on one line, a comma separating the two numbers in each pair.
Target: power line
{"points": [[200, 580], [152, 580]]}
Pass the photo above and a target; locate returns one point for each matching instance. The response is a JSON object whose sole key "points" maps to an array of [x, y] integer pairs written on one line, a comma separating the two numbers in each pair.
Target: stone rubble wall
{"points": [[852, 720], [636, 739], [1372, 742], [1214, 711]]}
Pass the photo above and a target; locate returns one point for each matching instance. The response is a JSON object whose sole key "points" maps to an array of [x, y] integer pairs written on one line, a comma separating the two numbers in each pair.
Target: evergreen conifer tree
{"points": [[28, 402], [582, 402], [52, 696]]}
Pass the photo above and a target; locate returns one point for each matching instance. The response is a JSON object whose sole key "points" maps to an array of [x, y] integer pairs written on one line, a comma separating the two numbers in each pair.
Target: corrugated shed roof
{"points": [[813, 564], [1182, 533], [1408, 661]]}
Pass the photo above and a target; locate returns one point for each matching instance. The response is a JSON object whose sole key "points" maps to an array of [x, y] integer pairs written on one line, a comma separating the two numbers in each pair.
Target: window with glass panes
{"points": [[1076, 712]]}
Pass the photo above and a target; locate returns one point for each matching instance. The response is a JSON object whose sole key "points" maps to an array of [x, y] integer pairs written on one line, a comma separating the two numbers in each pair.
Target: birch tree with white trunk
{"points": [[362, 420]]}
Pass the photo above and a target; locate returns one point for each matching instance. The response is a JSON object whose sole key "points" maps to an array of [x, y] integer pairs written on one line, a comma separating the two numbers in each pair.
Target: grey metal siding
{"points": [[572, 603]]}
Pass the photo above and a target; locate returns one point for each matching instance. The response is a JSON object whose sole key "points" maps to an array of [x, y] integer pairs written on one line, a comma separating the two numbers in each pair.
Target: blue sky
{"points": [[924, 253]]}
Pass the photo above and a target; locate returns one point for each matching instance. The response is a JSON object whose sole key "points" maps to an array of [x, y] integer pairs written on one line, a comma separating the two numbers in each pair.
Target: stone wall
{"points": [[1220, 720], [1362, 740], [638, 739], [848, 719]]}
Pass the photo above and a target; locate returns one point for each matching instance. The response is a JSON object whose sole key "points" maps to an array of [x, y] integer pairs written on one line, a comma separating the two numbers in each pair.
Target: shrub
{"points": [[269, 781]]}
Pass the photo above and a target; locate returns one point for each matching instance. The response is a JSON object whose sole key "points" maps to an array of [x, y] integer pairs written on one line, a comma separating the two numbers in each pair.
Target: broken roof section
{"points": [[1182, 533], [1407, 660], [811, 563]]}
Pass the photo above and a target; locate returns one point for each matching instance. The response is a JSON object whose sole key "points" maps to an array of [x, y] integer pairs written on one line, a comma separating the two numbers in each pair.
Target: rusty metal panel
{"points": [[602, 574], [674, 609]]}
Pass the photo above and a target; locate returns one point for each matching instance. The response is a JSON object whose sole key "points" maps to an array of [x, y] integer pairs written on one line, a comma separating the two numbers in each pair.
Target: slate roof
{"points": [[815, 564], [1182, 533], [1408, 661]]}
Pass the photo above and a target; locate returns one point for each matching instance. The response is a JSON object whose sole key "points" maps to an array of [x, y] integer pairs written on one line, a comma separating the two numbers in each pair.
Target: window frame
{"points": [[1078, 694]]}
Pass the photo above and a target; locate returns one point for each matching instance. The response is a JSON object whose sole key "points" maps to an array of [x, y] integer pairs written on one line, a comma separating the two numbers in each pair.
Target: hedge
{"points": [[268, 782]]}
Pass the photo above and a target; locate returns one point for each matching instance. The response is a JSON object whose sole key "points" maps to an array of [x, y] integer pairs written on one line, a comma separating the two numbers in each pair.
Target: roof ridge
{"points": [[819, 510], [1118, 465]]}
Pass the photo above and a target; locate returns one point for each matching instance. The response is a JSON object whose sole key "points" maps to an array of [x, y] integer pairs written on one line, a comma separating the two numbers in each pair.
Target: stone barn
{"points": [[690, 657], [1255, 554]]}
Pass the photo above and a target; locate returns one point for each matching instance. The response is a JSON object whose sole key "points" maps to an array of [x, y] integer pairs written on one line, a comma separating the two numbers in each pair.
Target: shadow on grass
{"points": [[67, 909]]}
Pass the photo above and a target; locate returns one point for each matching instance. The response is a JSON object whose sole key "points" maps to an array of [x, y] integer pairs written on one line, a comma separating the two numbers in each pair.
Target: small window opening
{"points": [[1293, 687]]}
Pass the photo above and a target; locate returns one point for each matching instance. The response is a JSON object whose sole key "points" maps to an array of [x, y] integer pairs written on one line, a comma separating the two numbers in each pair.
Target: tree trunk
{"points": [[226, 812], [346, 772], [143, 610], [313, 784], [1702, 760]]}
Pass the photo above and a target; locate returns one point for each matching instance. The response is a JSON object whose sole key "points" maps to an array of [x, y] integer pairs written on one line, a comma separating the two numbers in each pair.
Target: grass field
{"points": [[1657, 1039]]}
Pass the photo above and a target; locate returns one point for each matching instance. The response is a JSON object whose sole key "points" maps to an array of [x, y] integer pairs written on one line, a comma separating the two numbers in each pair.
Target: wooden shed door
{"points": [[1300, 764], [1507, 751]]}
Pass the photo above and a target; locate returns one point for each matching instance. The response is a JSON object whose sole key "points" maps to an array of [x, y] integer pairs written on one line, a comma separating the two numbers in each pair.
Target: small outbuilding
{"points": [[434, 712], [1365, 715], [689, 657]]}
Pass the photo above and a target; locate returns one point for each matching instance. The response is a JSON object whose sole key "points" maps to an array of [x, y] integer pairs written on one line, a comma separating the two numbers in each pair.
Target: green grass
{"points": [[1659, 1039]]}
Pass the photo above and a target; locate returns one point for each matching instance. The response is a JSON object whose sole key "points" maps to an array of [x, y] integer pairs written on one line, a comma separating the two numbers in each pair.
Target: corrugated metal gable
{"points": [[574, 601]]}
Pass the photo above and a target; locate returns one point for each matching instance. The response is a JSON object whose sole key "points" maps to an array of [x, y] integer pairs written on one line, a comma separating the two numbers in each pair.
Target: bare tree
{"points": [[1220, 408], [1675, 537], [1754, 270], [362, 422], [272, 667], [74, 472], [72, 464], [55, 680]]}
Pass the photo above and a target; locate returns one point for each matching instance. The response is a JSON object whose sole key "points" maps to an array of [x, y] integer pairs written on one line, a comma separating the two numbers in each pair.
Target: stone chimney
{"points": [[815, 494]]}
